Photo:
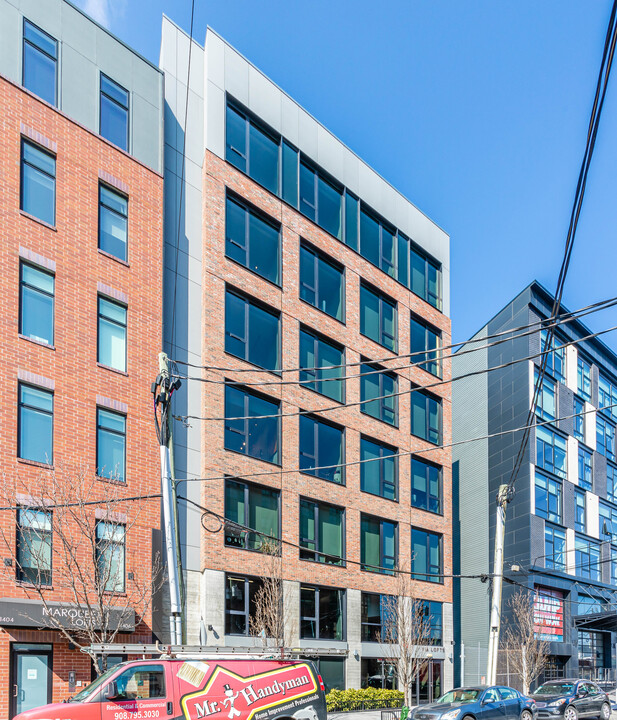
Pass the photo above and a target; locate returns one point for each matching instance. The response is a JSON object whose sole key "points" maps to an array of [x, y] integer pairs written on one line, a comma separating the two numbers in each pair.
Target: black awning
{"points": [[602, 621]]}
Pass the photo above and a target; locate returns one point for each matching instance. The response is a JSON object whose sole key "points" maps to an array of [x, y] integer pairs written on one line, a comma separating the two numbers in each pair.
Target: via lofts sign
{"points": [[33, 613]]}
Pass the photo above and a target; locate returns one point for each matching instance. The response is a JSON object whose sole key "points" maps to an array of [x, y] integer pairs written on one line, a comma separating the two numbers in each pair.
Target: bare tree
{"points": [[527, 649], [72, 531]]}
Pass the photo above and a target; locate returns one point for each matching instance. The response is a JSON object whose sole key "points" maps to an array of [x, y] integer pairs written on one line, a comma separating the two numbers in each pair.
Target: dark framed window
{"points": [[113, 222], [252, 331], [110, 445], [352, 220], [605, 437], [379, 393], [425, 277], [607, 397], [110, 556], [323, 364], [111, 346], [580, 516], [240, 603], [114, 112], [426, 556], [320, 200], [36, 303], [253, 506], [583, 378], [252, 425], [547, 497], [38, 182], [322, 613], [551, 451], [547, 395], [585, 468], [40, 63], [35, 424], [425, 343], [378, 617], [608, 523], [252, 240], [34, 546], [378, 469], [289, 189], [587, 558], [556, 356], [322, 532], [426, 420], [611, 482], [322, 449], [426, 485], [378, 317], [432, 612], [579, 419], [378, 544], [322, 282], [378, 243], [554, 547]]}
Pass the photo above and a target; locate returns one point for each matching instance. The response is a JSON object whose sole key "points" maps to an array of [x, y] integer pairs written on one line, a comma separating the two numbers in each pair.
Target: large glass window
{"points": [[378, 544], [556, 356], [322, 613], [605, 437], [240, 603], [579, 419], [379, 393], [252, 240], [425, 278], [608, 522], [322, 449], [252, 332], [322, 532], [433, 621], [607, 397], [323, 363], [40, 63], [378, 613], [425, 346], [321, 282], [289, 191], [35, 433], [425, 485], [377, 243], [38, 182], [585, 468], [110, 445], [545, 408], [580, 513], [548, 498], [252, 425], [36, 304], [554, 547], [110, 539], [34, 541], [587, 558], [113, 222], [426, 416], [379, 469], [114, 113], [252, 506], [320, 200], [111, 334], [551, 451], [584, 378], [611, 482], [426, 561], [378, 317], [352, 208]]}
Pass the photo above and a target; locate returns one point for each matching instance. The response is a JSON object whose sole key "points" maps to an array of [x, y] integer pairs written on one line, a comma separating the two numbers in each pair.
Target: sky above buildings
{"points": [[477, 111]]}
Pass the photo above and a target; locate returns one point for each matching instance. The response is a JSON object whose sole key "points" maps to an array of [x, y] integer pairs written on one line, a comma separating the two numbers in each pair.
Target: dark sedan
{"points": [[572, 699], [479, 703]]}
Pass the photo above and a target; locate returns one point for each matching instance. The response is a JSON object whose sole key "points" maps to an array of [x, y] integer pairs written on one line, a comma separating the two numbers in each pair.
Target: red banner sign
{"points": [[548, 614]]}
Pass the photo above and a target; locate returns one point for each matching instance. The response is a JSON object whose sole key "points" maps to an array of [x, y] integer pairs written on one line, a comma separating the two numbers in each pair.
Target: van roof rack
{"points": [[209, 650]]}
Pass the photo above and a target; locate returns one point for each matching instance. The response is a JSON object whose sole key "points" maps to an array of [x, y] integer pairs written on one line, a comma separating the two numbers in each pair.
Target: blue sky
{"points": [[477, 111]]}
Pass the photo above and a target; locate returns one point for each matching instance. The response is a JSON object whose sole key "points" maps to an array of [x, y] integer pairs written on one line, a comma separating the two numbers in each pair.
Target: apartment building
{"points": [[561, 535], [81, 198], [297, 284]]}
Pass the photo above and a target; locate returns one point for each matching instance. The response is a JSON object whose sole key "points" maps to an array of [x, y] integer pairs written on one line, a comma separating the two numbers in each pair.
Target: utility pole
{"points": [[162, 390]]}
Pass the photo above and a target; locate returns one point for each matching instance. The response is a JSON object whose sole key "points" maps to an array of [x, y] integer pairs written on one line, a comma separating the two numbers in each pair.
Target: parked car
{"points": [[495, 702], [572, 699]]}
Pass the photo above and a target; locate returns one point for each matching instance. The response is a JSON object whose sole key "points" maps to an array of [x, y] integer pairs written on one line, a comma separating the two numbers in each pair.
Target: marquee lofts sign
{"points": [[32, 613]]}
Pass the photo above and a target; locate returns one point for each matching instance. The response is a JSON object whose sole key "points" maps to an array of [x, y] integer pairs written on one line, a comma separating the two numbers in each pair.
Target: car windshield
{"points": [[460, 695], [555, 688], [84, 694]]}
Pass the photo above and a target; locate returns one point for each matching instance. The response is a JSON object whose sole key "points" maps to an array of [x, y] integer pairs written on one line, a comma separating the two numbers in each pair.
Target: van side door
{"points": [[142, 690]]}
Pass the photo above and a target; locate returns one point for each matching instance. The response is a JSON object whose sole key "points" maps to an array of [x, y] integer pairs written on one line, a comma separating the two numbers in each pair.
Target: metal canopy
{"points": [[602, 621]]}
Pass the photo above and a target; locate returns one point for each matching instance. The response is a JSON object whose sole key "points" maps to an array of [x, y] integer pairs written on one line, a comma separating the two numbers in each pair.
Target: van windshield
{"points": [[87, 692]]}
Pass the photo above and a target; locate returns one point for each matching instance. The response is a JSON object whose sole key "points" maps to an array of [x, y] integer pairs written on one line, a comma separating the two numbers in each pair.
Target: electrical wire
{"points": [[103, 501]]}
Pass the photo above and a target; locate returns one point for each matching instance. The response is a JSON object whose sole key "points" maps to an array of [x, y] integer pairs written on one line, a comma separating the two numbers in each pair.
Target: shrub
{"points": [[365, 699]]}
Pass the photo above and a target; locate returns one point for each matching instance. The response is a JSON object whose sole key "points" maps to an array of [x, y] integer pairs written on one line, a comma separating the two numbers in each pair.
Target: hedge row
{"points": [[365, 699]]}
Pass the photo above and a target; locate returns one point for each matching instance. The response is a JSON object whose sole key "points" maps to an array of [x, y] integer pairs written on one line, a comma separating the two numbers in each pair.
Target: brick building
{"points": [[284, 250], [81, 196]]}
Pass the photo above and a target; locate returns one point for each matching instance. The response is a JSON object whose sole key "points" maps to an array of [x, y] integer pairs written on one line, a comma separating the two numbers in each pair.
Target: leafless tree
{"points": [[75, 530]]}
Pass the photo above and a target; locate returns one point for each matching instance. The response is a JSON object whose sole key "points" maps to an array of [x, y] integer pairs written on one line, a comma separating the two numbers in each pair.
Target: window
{"points": [[36, 304], [605, 437], [377, 243], [425, 485], [320, 200], [352, 211], [110, 445], [587, 558], [34, 539], [551, 451], [35, 431], [248, 428], [140, 683], [548, 498], [584, 378], [579, 419], [425, 416], [378, 317], [378, 544], [252, 332], [611, 482], [40, 63], [425, 346], [607, 397], [114, 118], [110, 538], [378, 617], [321, 282], [322, 532], [111, 334], [425, 278], [580, 523], [252, 506], [323, 363], [554, 548], [289, 191], [379, 393], [321, 613], [426, 556], [240, 603], [556, 358], [378, 469], [585, 476], [113, 222], [38, 182], [252, 240], [545, 408], [613, 565], [322, 449], [433, 621], [608, 522]]}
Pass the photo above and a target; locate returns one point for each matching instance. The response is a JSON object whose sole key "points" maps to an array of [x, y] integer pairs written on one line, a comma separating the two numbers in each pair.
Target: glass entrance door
{"points": [[31, 676], [428, 684]]}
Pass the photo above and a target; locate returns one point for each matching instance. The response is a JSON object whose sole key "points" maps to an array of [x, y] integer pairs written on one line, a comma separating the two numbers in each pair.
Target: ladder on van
{"points": [[226, 651]]}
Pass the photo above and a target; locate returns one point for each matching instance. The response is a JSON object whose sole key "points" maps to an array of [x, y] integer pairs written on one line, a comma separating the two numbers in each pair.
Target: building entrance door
{"points": [[428, 684], [30, 676]]}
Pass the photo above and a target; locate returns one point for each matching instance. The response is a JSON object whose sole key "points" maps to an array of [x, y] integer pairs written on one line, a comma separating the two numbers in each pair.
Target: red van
{"points": [[193, 688]]}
